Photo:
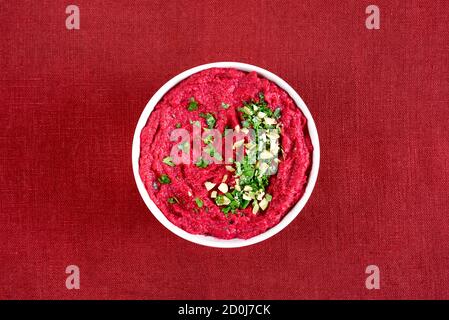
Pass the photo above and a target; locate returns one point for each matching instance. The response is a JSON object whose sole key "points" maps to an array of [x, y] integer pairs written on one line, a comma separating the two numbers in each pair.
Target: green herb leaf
{"points": [[172, 200], [210, 120], [224, 105], [208, 139], [185, 146], [226, 210], [227, 131], [193, 105], [202, 163], [245, 124], [164, 179], [168, 161], [218, 156], [211, 151], [245, 204], [178, 125], [277, 113], [199, 202]]}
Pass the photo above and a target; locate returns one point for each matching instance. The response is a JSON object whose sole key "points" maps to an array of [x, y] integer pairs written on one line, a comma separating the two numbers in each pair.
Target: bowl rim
{"points": [[209, 240]]}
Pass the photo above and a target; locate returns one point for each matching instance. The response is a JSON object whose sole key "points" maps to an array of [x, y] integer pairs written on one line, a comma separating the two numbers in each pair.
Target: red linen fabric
{"points": [[70, 101]]}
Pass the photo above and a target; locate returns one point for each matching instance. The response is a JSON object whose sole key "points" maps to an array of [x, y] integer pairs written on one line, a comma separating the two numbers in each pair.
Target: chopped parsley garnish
{"points": [[258, 115], [199, 202], [210, 149], [201, 163], [168, 161], [185, 146], [227, 131], [210, 120], [164, 179], [277, 113], [245, 204], [208, 139], [172, 200], [193, 105], [178, 125], [251, 173], [213, 152], [224, 105], [226, 210]]}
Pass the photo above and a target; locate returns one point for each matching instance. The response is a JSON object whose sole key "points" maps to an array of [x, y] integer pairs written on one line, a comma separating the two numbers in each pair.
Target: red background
{"points": [[70, 101]]}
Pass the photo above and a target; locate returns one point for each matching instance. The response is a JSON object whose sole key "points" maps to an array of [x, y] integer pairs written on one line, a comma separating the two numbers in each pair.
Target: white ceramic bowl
{"points": [[208, 240]]}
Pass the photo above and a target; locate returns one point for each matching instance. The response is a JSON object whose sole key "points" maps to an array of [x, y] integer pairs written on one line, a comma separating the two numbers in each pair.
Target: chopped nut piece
{"points": [[238, 144], [246, 197], [270, 121], [250, 145], [223, 187], [222, 200], [266, 155], [272, 134], [263, 167], [209, 185], [263, 204], [255, 208], [247, 110]]}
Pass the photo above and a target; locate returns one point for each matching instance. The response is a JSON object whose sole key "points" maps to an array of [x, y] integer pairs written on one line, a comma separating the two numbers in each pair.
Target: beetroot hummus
{"points": [[228, 198]]}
